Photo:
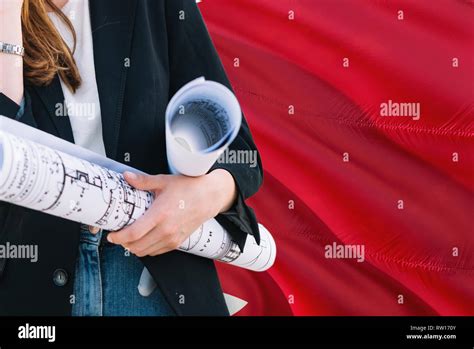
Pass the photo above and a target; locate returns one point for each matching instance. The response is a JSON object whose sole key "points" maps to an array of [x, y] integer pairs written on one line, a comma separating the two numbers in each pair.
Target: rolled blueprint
{"points": [[51, 181], [202, 119], [45, 173]]}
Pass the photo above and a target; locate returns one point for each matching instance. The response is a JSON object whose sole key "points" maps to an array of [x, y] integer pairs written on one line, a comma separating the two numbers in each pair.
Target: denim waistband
{"points": [[93, 239]]}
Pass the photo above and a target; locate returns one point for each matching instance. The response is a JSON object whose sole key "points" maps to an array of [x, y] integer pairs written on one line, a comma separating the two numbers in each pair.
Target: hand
{"points": [[181, 205]]}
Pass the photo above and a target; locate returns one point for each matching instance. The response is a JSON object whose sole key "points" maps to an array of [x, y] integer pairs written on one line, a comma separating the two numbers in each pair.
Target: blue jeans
{"points": [[106, 282]]}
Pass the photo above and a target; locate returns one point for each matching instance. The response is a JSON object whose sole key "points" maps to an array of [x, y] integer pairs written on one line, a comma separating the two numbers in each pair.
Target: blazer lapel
{"points": [[53, 98], [112, 24]]}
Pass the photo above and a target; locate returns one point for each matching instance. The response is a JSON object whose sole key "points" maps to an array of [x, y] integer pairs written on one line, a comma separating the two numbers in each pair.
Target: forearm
{"points": [[11, 66]]}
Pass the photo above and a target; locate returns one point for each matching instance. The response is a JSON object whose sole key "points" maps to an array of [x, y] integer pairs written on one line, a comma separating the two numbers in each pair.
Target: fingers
{"points": [[159, 239], [155, 250], [145, 182], [152, 217], [158, 248], [159, 230], [139, 228]]}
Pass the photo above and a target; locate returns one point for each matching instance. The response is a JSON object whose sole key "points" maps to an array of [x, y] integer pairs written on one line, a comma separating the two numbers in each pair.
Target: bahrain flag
{"points": [[363, 114]]}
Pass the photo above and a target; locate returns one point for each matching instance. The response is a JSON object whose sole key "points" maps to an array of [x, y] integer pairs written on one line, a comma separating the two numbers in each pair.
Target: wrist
{"points": [[224, 189], [11, 65]]}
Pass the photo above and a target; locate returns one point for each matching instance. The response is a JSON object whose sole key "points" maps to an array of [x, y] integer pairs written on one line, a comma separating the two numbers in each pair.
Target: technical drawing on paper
{"points": [[55, 183], [48, 180]]}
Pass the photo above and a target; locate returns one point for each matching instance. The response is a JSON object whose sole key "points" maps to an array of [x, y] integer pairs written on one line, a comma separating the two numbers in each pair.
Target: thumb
{"points": [[144, 182]]}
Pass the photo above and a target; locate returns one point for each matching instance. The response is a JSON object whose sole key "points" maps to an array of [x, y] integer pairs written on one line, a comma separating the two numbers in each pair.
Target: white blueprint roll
{"points": [[45, 173], [47, 180], [202, 119]]}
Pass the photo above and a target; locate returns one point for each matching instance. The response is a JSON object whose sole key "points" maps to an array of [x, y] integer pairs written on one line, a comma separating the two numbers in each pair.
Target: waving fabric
{"points": [[363, 114]]}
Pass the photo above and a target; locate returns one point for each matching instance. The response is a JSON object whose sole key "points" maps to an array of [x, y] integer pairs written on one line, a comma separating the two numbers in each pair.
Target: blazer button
{"points": [[60, 277]]}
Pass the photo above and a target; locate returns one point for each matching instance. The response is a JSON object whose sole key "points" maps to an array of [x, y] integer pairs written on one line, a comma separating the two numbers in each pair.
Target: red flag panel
{"points": [[339, 169]]}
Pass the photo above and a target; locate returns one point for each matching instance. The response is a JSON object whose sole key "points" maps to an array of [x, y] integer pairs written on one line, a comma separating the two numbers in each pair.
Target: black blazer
{"points": [[144, 52]]}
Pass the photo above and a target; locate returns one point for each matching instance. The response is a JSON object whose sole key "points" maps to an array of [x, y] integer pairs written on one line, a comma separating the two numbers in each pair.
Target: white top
{"points": [[83, 106]]}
